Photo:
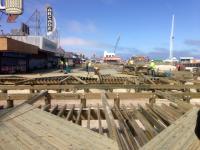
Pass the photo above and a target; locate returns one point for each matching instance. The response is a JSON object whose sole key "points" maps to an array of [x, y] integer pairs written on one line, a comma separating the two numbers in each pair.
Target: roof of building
{"points": [[42, 42], [113, 58], [8, 44], [27, 127], [186, 57]]}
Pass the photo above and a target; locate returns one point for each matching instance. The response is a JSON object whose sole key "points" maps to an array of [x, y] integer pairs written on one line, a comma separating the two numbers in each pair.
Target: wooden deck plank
{"points": [[164, 136], [7, 140], [57, 131], [32, 142], [177, 136], [59, 126]]}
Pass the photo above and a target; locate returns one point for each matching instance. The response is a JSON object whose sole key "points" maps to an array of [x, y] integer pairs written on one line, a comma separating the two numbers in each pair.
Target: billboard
{"points": [[51, 21]]}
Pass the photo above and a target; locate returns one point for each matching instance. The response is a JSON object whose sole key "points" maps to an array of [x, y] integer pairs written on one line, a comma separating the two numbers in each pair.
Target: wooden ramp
{"points": [[28, 128], [178, 136]]}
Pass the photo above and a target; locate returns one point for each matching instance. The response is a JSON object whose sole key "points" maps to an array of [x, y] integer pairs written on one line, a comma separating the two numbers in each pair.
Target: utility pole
{"points": [[171, 39]]}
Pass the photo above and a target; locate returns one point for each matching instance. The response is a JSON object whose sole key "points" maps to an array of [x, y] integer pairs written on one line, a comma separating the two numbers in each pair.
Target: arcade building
{"points": [[22, 54]]}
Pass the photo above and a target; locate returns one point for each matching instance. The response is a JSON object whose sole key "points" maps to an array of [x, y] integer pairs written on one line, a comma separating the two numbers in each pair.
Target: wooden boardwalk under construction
{"points": [[40, 122]]}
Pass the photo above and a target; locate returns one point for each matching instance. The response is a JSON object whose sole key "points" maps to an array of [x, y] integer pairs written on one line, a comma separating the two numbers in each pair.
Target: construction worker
{"points": [[131, 62], [89, 66], [61, 65], [152, 68], [67, 67]]}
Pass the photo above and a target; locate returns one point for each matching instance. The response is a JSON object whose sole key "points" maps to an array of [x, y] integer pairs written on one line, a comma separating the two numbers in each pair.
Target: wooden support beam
{"points": [[59, 91], [148, 127], [100, 86], [99, 120], [187, 98], [46, 107], [140, 135], [23, 81], [4, 91], [156, 115], [10, 103], [164, 115], [54, 110], [129, 140], [86, 90], [83, 101], [117, 101], [179, 109], [62, 111], [78, 79], [88, 117], [147, 78], [36, 97], [152, 99], [32, 91], [112, 128], [70, 113], [151, 119], [176, 114], [63, 80], [47, 99], [78, 119], [174, 99]]}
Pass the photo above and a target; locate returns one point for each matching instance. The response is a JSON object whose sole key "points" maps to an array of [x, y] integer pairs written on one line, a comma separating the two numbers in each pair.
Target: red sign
{"points": [[12, 18]]}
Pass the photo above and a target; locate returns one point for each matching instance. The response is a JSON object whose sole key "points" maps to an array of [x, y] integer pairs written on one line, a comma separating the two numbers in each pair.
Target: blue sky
{"points": [[92, 26]]}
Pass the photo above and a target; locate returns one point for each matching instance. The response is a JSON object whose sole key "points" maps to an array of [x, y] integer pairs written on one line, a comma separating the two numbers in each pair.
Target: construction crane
{"points": [[117, 42]]}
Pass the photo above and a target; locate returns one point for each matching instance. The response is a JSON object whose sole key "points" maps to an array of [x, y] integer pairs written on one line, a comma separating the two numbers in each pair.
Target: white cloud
{"points": [[78, 27], [74, 41], [89, 47], [84, 43]]}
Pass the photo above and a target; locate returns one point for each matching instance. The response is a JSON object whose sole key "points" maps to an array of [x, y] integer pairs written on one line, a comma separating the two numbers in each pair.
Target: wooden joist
{"points": [[54, 110], [148, 127], [112, 128], [152, 120], [88, 117], [178, 136], [100, 86], [174, 99], [70, 113], [90, 96], [78, 79], [62, 111], [78, 119], [126, 131], [99, 120]]}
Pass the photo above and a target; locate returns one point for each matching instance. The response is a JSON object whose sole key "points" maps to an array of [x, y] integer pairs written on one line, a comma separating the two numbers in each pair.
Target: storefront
{"points": [[20, 57], [12, 62]]}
